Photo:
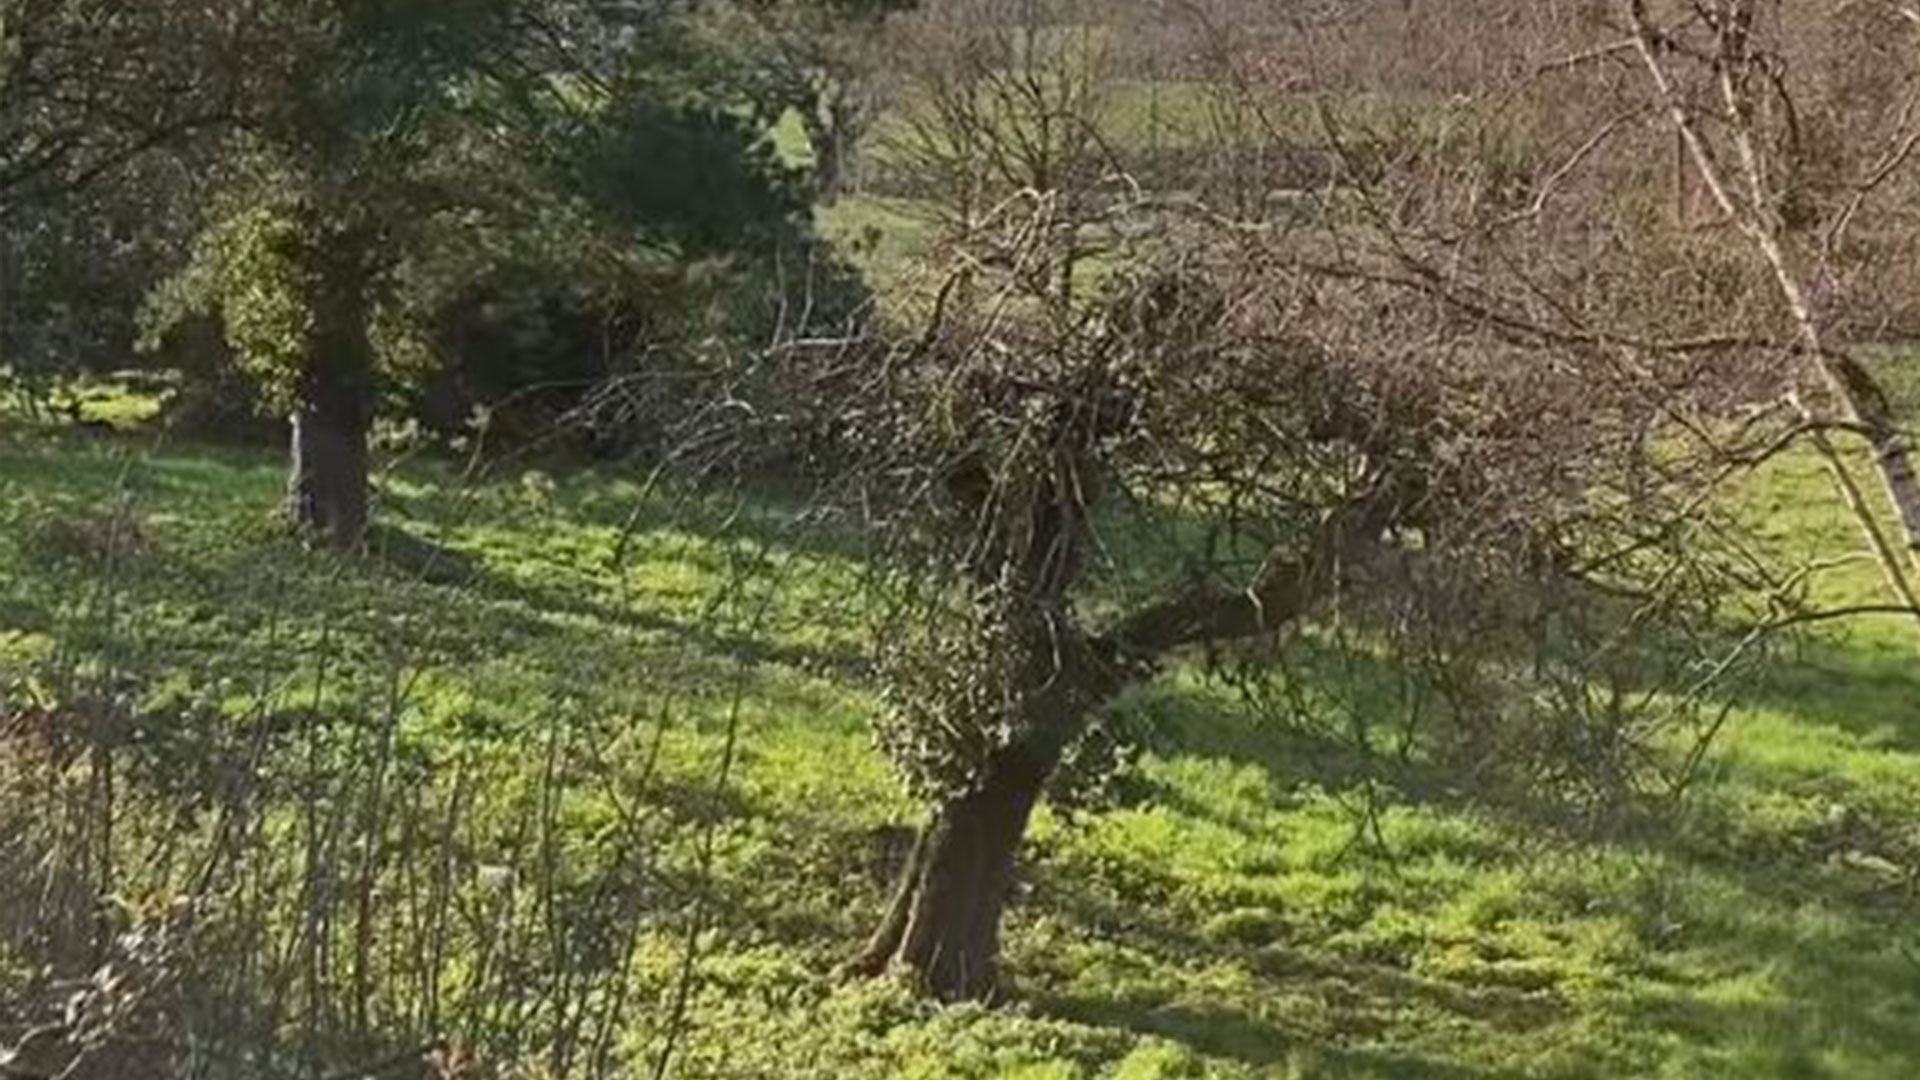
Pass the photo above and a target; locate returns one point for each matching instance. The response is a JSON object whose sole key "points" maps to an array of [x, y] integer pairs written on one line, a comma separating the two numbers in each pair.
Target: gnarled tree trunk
{"points": [[327, 481], [943, 925]]}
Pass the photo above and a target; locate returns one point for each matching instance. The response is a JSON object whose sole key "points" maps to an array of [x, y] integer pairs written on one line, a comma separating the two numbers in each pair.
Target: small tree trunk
{"points": [[834, 128], [327, 481], [829, 159], [943, 926]]}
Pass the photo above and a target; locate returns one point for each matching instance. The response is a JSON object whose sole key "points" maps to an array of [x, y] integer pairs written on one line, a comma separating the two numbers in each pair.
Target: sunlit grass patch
{"points": [[1267, 898]]}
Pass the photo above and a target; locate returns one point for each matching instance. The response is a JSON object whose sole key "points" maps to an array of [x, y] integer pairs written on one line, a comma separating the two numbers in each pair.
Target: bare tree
{"points": [[1784, 135], [1130, 425], [1801, 163]]}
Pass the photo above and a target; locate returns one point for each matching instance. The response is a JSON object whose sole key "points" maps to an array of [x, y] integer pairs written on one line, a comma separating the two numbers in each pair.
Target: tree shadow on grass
{"points": [[711, 639], [421, 559], [622, 504], [1869, 690], [210, 492], [1255, 995], [401, 545], [1818, 938], [1244, 1036], [1842, 1013], [1833, 1013]]}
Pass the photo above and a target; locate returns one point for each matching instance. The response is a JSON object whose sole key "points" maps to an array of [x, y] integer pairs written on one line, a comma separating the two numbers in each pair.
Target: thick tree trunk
{"points": [[327, 481], [943, 926]]}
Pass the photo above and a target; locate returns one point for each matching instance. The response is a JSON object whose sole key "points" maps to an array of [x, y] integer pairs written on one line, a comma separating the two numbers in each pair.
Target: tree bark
{"points": [[829, 159], [327, 481], [943, 925], [834, 127]]}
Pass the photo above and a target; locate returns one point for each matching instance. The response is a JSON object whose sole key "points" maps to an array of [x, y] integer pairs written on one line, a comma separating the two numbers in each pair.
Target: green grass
{"points": [[886, 239], [1230, 917]]}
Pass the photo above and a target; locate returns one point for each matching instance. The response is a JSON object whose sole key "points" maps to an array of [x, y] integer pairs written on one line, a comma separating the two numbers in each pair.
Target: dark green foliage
{"points": [[88, 87], [699, 178], [70, 284], [520, 350], [542, 197], [75, 272]]}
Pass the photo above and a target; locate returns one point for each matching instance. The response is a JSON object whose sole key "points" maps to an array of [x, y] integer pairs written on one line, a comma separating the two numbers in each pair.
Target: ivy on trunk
{"points": [[942, 925]]}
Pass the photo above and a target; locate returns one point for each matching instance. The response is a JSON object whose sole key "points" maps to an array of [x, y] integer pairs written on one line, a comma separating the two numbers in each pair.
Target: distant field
{"points": [[1152, 129], [1229, 918]]}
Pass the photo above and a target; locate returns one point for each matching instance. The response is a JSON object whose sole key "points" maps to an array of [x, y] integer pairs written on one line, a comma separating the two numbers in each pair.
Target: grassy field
{"points": [[1260, 902]]}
